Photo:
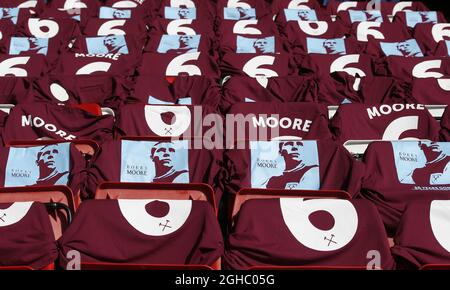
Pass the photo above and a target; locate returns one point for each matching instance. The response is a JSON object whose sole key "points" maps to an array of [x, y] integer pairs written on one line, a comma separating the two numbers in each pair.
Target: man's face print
{"points": [[300, 15], [112, 42], [164, 154], [119, 14], [34, 41], [179, 13], [107, 44], [242, 13], [291, 149], [372, 15], [47, 157], [404, 48], [303, 14], [186, 40], [358, 16], [183, 13], [10, 14], [431, 150], [330, 45], [447, 43], [239, 13], [261, 44], [178, 43]]}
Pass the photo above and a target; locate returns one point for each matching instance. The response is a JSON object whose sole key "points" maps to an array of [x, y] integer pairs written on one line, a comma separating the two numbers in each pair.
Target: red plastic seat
{"points": [[45, 194], [118, 190], [249, 194]]}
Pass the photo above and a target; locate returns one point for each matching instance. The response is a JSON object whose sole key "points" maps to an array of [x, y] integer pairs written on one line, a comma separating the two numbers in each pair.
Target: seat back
{"points": [[122, 190], [51, 195], [130, 190]]}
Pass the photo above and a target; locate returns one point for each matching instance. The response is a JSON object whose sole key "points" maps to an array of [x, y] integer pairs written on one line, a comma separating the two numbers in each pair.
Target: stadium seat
{"points": [[399, 172], [244, 89], [383, 122], [23, 66], [105, 26], [48, 212], [259, 240], [356, 65], [407, 69], [248, 193], [445, 126], [60, 216], [123, 190], [258, 65], [269, 120], [127, 190], [53, 122], [103, 90], [231, 107], [27, 237], [341, 88], [74, 64], [164, 120], [412, 18], [431, 91], [172, 64], [175, 232], [193, 90], [383, 31], [432, 250], [407, 47], [429, 35]]}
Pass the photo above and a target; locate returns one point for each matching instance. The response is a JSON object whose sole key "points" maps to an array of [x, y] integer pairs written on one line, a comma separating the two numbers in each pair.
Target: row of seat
{"points": [[234, 64], [391, 174], [243, 121], [151, 199], [163, 48], [114, 91], [167, 227]]}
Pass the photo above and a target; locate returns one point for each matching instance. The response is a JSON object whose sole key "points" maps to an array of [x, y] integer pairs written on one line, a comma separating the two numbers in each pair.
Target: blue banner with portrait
{"points": [[422, 162], [290, 164], [40, 165], [154, 161]]}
